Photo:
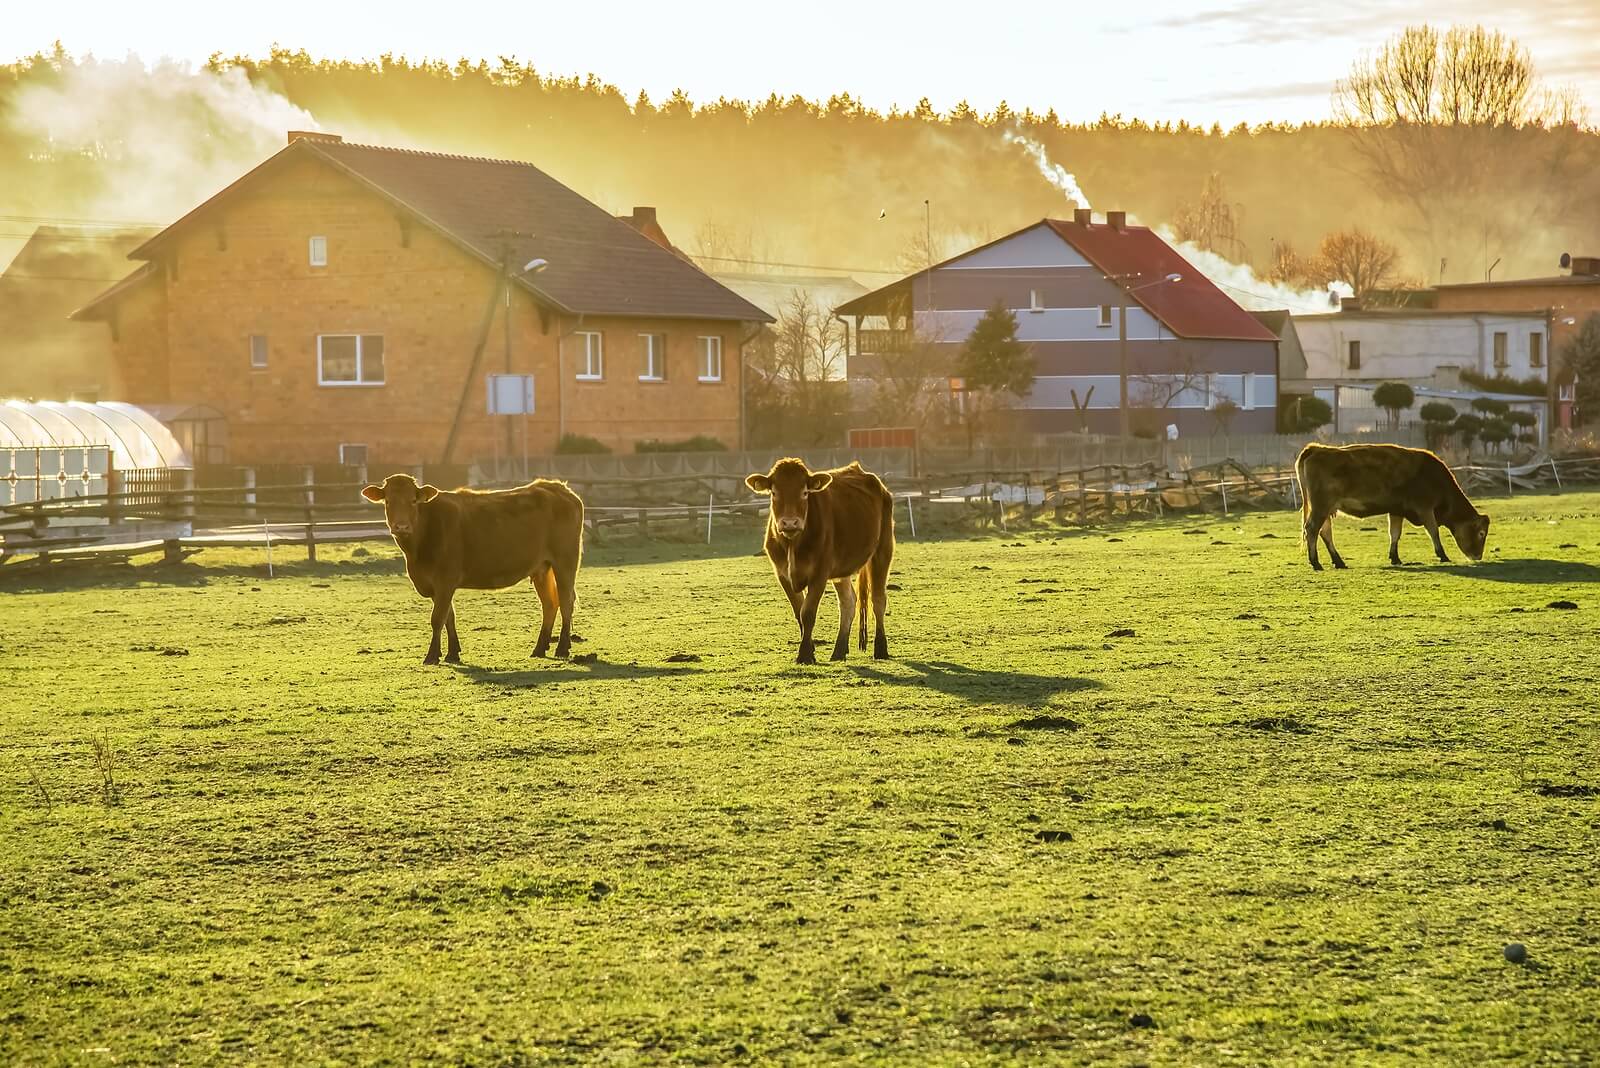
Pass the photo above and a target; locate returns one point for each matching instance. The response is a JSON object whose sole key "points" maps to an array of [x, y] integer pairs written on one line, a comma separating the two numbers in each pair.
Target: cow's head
{"points": [[790, 484], [400, 495], [1471, 534]]}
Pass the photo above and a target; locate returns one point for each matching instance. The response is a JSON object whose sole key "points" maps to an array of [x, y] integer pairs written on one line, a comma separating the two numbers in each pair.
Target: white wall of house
{"points": [[1414, 347]]}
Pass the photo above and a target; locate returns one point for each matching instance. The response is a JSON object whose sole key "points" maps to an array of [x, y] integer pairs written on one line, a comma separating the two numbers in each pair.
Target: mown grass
{"points": [[1266, 821]]}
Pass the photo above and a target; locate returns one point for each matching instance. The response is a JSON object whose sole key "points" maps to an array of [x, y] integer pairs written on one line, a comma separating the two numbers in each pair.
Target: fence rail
{"points": [[165, 511]]}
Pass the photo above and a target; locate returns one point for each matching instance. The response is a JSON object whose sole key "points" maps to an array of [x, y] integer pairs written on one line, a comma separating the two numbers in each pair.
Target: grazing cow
{"points": [[1368, 480], [467, 540], [830, 526]]}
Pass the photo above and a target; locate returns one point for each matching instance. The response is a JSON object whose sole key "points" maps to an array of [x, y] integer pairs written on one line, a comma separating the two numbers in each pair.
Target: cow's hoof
{"points": [[880, 650], [453, 658], [563, 651], [806, 657], [838, 654], [1315, 566], [431, 659], [538, 652], [1340, 565], [1395, 561]]}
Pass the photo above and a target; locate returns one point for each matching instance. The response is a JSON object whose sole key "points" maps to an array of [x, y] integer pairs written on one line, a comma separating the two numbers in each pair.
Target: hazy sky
{"points": [[1249, 60]]}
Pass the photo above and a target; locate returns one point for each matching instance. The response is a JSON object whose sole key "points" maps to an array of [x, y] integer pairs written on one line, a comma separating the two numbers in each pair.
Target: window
{"points": [[350, 360], [1355, 355], [1535, 350], [258, 351], [353, 455], [655, 357], [711, 359], [1500, 357], [1035, 301], [591, 356], [319, 251], [1105, 315]]}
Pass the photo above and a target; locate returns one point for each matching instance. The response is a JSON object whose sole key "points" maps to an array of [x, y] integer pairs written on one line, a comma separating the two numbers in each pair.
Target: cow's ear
{"points": [[373, 493], [758, 483], [819, 482], [427, 493]]}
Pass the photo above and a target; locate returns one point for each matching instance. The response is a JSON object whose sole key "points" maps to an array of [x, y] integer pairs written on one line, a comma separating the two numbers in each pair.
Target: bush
{"points": [[581, 445], [1467, 427], [1301, 413], [1493, 432], [1522, 418], [698, 443], [1436, 419], [1394, 397], [1490, 407], [1527, 387]]}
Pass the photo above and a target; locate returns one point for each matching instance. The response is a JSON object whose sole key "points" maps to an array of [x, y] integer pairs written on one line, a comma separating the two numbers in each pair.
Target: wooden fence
{"points": [[168, 512]]}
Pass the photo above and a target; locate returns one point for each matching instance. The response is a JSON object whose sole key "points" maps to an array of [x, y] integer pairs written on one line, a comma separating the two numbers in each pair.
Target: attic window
{"points": [[1105, 315], [1035, 300], [319, 251]]}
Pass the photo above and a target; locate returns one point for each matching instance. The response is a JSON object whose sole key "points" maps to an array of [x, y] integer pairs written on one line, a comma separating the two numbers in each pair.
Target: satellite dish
{"points": [[1566, 260]]}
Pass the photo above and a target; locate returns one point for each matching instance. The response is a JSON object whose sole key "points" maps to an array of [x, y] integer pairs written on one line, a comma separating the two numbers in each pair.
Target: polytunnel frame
{"points": [[137, 439]]}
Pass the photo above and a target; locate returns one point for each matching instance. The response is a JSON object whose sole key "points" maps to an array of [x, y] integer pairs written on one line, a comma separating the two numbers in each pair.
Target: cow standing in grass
{"points": [[830, 526], [469, 540], [1368, 480]]}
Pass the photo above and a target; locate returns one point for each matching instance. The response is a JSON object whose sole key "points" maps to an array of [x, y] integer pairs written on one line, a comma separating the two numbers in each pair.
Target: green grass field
{"points": [[1292, 819]]}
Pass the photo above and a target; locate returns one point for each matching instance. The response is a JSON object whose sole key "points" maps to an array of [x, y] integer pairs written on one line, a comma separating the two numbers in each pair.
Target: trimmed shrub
{"points": [[698, 443], [581, 445]]}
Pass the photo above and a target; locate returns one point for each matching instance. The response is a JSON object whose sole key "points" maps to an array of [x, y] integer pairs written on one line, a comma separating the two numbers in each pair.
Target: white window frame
{"points": [[317, 250], [710, 345], [266, 355], [1035, 301], [358, 381], [1500, 350], [1248, 404], [655, 363], [343, 445], [593, 365], [1539, 335], [1105, 315]]}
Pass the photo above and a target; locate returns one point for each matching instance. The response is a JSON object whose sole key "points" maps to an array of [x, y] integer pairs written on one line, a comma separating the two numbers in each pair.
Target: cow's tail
{"points": [[1305, 496], [863, 595]]}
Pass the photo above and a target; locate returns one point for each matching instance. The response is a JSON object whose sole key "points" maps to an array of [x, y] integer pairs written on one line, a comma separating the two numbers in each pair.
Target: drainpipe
{"points": [[561, 374], [755, 332]]}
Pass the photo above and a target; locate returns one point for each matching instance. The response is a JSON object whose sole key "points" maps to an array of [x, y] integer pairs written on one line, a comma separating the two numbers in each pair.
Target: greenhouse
{"points": [[136, 438]]}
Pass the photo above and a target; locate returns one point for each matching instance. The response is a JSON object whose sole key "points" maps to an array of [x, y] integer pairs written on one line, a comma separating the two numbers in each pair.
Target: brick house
{"points": [[346, 302], [1087, 296], [1565, 300]]}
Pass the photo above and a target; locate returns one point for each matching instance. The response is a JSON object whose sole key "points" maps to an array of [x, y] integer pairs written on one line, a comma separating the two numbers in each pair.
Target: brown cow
{"points": [[467, 540], [1368, 480], [830, 526]]}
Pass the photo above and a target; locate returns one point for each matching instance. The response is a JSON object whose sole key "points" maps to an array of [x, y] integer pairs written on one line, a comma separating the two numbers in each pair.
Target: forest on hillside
{"points": [[832, 183]]}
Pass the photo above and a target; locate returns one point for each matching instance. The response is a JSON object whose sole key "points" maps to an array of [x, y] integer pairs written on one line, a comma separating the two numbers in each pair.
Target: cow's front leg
{"points": [[441, 612], [1432, 525], [453, 654], [847, 615], [796, 600], [808, 619], [1396, 525]]}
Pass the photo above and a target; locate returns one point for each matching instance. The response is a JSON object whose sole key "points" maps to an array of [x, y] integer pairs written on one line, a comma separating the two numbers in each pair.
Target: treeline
{"points": [[835, 183]]}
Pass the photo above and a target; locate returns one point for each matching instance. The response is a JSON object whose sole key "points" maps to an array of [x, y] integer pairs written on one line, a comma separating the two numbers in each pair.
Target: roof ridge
{"points": [[423, 152]]}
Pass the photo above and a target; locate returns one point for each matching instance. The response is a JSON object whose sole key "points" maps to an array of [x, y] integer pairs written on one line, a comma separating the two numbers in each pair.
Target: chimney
{"points": [[1082, 216], [643, 216], [1349, 304], [1587, 266], [644, 221], [314, 135], [1117, 220]]}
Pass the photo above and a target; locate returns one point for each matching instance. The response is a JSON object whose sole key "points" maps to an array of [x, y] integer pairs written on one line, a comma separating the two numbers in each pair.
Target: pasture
{"points": [[1153, 793]]}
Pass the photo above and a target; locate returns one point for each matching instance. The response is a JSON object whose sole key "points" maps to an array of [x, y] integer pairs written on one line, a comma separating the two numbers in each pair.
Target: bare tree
{"points": [[1286, 267], [1157, 390], [1453, 125], [797, 391], [1209, 221], [1361, 260], [909, 373]]}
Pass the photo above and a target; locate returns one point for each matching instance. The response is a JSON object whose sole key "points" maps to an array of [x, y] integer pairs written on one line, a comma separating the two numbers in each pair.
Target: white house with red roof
{"points": [[1109, 310]]}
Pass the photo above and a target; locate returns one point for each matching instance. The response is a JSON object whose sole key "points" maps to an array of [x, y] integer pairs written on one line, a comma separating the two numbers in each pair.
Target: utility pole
{"points": [[1122, 356]]}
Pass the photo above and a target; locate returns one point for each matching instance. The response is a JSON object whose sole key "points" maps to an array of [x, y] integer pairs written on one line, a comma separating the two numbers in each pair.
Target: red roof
{"points": [[1192, 307]]}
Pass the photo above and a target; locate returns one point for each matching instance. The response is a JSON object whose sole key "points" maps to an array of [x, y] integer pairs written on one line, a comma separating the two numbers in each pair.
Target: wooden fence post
{"points": [[250, 493], [114, 485], [311, 525]]}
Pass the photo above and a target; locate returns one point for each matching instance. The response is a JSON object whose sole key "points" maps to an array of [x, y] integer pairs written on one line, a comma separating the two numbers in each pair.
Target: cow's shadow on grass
{"points": [[977, 686], [115, 574], [1530, 571], [548, 671]]}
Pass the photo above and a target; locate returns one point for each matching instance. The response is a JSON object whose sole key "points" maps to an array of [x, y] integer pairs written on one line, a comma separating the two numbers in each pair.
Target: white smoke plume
{"points": [[1238, 280], [162, 139], [1053, 172]]}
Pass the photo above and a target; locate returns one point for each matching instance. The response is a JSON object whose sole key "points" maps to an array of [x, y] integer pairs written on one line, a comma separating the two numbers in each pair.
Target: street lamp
{"points": [[1122, 332]]}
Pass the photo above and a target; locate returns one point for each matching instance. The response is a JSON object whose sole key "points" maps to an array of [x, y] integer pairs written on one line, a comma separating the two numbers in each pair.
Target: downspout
{"points": [[755, 332], [561, 375]]}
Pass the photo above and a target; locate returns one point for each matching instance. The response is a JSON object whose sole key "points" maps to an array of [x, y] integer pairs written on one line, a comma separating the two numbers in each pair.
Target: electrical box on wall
{"points": [[510, 394]]}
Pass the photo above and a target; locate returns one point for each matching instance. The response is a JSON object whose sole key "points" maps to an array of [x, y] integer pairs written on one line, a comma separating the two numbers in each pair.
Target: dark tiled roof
{"points": [[598, 264], [1192, 307], [99, 307]]}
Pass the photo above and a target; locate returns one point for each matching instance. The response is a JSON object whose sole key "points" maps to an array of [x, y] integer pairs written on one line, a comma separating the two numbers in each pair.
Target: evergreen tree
{"points": [[993, 362]]}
